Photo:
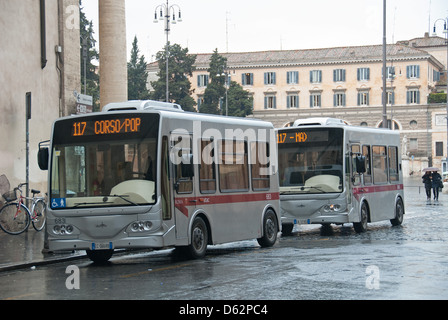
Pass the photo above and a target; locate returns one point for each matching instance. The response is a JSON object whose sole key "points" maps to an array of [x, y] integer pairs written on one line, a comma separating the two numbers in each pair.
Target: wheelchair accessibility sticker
{"points": [[58, 203]]}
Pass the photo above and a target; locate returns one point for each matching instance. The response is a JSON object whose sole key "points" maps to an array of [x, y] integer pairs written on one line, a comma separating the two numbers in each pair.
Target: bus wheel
{"points": [[399, 212], [199, 239], [270, 230], [362, 225], [100, 256]]}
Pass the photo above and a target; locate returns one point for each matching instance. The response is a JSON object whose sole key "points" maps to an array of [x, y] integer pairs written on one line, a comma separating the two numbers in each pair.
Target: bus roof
{"points": [[141, 105]]}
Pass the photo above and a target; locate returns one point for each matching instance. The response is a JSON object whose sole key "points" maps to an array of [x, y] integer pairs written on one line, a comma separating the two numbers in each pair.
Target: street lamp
{"points": [[226, 86], [445, 30], [169, 10]]}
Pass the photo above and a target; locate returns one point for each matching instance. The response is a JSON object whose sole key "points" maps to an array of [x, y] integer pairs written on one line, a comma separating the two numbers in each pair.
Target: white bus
{"points": [[334, 173], [145, 174]]}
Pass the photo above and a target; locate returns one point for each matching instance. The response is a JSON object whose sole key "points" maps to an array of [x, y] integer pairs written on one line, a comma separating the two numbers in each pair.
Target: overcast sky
{"points": [[257, 25]]}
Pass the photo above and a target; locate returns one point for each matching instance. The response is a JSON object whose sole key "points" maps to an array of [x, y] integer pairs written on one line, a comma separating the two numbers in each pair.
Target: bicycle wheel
{"points": [[14, 219], [39, 215]]}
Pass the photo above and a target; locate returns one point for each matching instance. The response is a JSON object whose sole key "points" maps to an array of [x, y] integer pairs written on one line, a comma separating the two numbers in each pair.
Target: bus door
{"points": [[357, 190], [184, 195]]}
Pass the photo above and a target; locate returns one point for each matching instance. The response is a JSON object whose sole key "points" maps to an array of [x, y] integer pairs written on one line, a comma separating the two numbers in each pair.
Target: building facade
{"points": [[40, 55], [346, 83]]}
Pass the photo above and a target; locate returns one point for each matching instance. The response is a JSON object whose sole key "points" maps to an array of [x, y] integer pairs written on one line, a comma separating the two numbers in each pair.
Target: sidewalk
{"points": [[25, 251]]}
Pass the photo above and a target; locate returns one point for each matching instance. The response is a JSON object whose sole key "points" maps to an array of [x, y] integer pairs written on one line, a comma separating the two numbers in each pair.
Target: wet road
{"points": [[405, 262]]}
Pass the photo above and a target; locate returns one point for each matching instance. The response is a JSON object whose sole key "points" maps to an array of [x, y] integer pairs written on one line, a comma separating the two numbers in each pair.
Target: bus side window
{"points": [[379, 165], [260, 165], [207, 172], [393, 164], [368, 174]]}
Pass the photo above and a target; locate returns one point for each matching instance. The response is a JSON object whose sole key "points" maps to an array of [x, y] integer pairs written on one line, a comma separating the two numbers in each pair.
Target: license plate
{"points": [[102, 245]]}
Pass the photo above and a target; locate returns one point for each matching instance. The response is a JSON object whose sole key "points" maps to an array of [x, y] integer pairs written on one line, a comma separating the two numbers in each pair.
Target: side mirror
{"points": [[43, 155], [360, 162]]}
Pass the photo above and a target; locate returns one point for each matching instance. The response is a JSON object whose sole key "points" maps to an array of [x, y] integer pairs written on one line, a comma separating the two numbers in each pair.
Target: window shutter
{"points": [[418, 97], [243, 79], [273, 77], [288, 102], [343, 96], [265, 102], [334, 100], [408, 71], [288, 81], [265, 78], [368, 74], [417, 69]]}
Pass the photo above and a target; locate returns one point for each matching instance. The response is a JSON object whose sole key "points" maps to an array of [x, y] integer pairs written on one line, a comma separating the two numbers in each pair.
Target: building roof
{"points": [[424, 42], [339, 55]]}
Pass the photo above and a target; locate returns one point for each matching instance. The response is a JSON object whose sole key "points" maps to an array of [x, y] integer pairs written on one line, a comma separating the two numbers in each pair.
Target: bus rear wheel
{"points": [[362, 225], [270, 230], [399, 212]]}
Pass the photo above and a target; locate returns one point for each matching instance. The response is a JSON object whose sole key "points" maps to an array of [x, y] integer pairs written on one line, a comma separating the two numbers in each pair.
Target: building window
{"points": [[270, 102], [439, 149], [269, 78], [413, 71], [292, 101], [207, 174], [363, 74], [339, 99], [316, 76], [315, 100], [202, 80], [292, 77], [390, 97], [413, 124], [363, 98], [339, 75], [247, 79], [435, 75], [200, 101], [390, 73], [413, 144], [413, 96]]}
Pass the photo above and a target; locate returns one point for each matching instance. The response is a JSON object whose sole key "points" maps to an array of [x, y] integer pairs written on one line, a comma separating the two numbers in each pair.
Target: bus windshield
{"points": [[104, 160], [310, 160]]}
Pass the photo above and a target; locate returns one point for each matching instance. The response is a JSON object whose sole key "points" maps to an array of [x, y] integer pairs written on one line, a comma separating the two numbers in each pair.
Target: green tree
{"points": [[239, 101], [92, 87], [137, 74], [215, 90], [180, 67]]}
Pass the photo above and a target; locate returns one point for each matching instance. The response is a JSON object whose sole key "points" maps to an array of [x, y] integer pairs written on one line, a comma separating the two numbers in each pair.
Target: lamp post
{"points": [[169, 10], [226, 86], [445, 30]]}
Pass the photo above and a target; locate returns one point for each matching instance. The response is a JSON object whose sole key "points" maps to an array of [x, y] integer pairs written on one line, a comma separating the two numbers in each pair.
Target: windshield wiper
{"points": [[301, 188], [122, 197]]}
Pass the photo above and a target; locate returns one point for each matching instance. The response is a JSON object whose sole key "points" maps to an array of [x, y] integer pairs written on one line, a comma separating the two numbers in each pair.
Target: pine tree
{"points": [[180, 67], [137, 75]]}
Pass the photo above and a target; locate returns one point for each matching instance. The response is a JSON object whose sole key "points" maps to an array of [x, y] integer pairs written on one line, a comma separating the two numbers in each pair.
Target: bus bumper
{"points": [[336, 218]]}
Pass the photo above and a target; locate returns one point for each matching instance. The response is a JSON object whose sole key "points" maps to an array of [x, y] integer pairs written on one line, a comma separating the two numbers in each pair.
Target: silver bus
{"points": [[146, 174], [334, 173]]}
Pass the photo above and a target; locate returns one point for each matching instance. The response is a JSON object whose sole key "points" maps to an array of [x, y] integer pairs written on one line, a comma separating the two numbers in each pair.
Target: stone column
{"points": [[113, 57]]}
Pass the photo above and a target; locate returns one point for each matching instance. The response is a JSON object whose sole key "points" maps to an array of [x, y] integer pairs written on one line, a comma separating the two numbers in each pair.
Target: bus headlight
{"points": [[61, 229], [141, 226], [332, 208]]}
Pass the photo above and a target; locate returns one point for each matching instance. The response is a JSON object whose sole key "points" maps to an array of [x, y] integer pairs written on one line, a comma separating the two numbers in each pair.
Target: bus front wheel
{"points": [[199, 240], [100, 256], [362, 225]]}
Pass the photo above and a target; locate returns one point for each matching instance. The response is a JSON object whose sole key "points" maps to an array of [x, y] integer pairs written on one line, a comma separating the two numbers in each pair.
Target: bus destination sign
{"points": [[294, 136], [106, 127]]}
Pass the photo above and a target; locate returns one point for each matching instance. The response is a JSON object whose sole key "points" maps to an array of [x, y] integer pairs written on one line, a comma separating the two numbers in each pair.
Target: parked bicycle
{"points": [[15, 217]]}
